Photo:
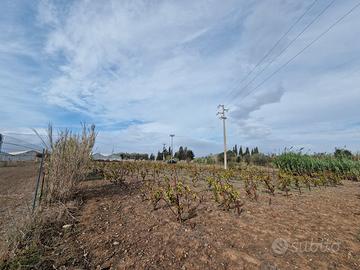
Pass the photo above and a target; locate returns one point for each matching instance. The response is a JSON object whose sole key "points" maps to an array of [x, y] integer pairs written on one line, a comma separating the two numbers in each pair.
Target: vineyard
{"points": [[182, 188], [154, 215], [201, 216]]}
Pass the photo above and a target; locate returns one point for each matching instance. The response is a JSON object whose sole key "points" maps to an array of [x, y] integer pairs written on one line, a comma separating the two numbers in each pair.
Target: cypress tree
{"points": [[241, 151]]}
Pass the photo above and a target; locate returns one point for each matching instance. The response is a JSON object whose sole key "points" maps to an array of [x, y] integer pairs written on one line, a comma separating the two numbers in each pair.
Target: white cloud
{"points": [[255, 101], [169, 64]]}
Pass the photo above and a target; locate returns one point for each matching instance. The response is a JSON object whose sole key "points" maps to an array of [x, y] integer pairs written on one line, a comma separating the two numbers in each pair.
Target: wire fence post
{"points": [[38, 180], [1, 141], [42, 183]]}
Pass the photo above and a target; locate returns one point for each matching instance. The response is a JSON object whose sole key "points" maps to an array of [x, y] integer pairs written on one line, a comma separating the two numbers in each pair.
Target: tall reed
{"points": [[308, 164], [68, 162]]}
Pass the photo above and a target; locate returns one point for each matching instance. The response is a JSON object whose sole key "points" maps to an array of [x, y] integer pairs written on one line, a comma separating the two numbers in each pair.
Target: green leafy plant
{"points": [[225, 195], [116, 172], [178, 197]]}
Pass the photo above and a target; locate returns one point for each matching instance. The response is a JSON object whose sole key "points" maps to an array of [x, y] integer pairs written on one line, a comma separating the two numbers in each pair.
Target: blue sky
{"points": [[141, 70]]}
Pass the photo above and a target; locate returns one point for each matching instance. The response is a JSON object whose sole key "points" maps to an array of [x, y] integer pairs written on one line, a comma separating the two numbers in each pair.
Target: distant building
{"points": [[5, 156], [114, 157], [19, 156], [99, 156]]}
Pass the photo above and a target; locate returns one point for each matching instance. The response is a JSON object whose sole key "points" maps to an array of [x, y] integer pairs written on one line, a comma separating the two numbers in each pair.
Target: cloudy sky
{"points": [[141, 70]]}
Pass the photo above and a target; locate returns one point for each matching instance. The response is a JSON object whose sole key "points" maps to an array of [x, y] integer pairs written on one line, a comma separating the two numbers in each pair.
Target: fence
{"points": [[19, 152]]}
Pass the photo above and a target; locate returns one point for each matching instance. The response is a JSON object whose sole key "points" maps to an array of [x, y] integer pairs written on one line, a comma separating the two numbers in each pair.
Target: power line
{"points": [[24, 134], [275, 44], [15, 138], [235, 95], [20, 140], [19, 145], [306, 47]]}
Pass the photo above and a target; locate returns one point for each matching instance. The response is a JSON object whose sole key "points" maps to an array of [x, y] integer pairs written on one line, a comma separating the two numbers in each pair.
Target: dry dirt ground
{"points": [[320, 229], [116, 229], [17, 187]]}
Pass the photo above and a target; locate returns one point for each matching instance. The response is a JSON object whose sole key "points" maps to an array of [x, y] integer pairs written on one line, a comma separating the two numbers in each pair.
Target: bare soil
{"points": [[313, 230], [114, 228], [17, 188]]}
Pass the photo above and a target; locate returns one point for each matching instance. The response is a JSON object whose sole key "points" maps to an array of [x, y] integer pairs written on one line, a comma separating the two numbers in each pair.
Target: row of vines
{"points": [[183, 188]]}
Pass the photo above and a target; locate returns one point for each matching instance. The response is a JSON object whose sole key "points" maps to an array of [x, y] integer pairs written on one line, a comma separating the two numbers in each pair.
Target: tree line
{"points": [[249, 155], [247, 151], [133, 156], [183, 153]]}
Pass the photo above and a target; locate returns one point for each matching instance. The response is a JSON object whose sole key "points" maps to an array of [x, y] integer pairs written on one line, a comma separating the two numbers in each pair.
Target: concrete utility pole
{"points": [[172, 149], [221, 113], [164, 144], [1, 141]]}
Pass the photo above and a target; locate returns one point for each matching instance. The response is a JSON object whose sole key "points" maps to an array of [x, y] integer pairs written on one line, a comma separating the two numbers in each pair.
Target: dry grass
{"points": [[68, 162], [34, 238], [17, 227]]}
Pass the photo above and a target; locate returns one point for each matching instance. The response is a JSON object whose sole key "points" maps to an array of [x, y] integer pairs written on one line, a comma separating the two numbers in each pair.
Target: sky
{"points": [[141, 70]]}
